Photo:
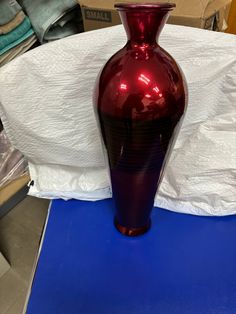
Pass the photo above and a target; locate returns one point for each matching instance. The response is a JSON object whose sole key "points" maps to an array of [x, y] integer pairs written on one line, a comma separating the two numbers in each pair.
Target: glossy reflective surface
{"points": [[140, 97]]}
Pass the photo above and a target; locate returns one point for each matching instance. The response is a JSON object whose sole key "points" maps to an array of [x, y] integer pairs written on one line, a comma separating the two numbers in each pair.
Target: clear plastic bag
{"points": [[12, 162]]}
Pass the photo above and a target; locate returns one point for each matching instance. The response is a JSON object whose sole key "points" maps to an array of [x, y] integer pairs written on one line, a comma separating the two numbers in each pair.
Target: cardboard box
{"points": [[8, 190], [207, 14], [232, 18], [12, 193]]}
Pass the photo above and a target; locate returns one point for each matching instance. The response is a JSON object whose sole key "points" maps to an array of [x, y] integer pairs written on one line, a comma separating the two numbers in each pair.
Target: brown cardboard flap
{"points": [[232, 18], [215, 6]]}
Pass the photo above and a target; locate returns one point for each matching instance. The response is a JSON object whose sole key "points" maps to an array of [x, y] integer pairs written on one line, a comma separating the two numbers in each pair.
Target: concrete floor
{"points": [[20, 234]]}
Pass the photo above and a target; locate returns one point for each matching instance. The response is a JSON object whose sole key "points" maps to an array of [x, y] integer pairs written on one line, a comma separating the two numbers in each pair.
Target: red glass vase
{"points": [[139, 98]]}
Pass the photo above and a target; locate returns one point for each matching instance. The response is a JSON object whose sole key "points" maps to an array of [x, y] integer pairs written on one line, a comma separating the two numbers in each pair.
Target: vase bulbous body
{"points": [[140, 97]]}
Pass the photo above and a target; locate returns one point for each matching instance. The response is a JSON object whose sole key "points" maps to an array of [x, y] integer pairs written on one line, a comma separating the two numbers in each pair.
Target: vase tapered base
{"points": [[132, 232]]}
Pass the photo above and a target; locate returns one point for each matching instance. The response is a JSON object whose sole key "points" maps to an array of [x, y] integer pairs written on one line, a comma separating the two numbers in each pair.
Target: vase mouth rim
{"points": [[150, 6]]}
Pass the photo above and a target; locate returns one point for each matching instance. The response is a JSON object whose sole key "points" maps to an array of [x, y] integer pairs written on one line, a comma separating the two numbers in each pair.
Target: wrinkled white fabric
{"points": [[46, 108]]}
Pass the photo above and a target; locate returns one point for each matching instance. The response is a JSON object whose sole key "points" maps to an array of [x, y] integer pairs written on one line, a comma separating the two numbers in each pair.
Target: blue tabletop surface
{"points": [[184, 264]]}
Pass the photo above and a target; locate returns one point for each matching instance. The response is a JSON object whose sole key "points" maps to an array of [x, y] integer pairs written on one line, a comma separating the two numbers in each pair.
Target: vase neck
{"points": [[144, 23]]}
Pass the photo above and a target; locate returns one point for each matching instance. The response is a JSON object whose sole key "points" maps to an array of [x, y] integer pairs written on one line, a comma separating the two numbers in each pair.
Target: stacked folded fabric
{"points": [[48, 20], [53, 19], [16, 32]]}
